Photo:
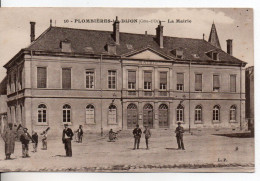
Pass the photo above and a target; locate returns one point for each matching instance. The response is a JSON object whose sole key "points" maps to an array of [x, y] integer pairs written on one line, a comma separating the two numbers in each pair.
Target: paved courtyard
{"points": [[205, 151]]}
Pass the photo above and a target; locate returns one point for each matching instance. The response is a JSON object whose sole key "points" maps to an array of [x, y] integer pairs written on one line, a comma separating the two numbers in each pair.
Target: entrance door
{"points": [[132, 116], [163, 116], [148, 115]]}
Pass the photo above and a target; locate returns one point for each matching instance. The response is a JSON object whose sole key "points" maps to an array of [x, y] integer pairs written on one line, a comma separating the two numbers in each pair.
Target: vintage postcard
{"points": [[127, 90]]}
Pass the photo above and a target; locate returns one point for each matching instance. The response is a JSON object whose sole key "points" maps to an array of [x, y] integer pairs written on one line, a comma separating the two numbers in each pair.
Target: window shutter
{"points": [[198, 82], [41, 77], [163, 77], [131, 76], [148, 76], [180, 78], [232, 83], [66, 78], [216, 83]]}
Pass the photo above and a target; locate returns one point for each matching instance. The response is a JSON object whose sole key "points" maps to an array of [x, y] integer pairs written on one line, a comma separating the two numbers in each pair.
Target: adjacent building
{"points": [[3, 105], [250, 97], [104, 80]]}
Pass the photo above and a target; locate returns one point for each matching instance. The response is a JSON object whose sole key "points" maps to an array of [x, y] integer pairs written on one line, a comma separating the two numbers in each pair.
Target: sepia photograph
{"points": [[127, 90]]}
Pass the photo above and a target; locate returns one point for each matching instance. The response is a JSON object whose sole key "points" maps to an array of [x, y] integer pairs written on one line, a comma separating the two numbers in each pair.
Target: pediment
{"points": [[148, 54]]}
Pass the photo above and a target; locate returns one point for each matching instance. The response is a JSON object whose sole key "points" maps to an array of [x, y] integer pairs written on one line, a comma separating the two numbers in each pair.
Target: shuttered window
{"points": [[232, 83], [112, 115], [216, 83], [198, 82], [147, 80], [66, 78], [163, 80], [90, 114], [41, 77], [131, 79], [180, 81]]}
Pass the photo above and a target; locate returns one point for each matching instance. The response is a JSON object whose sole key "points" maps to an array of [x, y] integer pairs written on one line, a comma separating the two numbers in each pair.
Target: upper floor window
{"points": [[112, 114], [90, 114], [216, 83], [112, 79], [232, 114], [232, 83], [21, 77], [179, 113], [10, 82], [163, 80], [216, 113], [198, 82], [42, 111], [15, 83], [132, 80], [90, 79], [147, 80], [215, 56], [66, 113], [41, 77], [198, 113], [180, 81], [66, 78]]}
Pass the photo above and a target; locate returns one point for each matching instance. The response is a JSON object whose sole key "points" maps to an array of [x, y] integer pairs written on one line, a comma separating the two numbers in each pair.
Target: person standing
{"points": [[137, 132], [147, 134], [25, 139], [9, 139], [80, 134], [179, 136], [67, 135], [35, 141], [44, 140]]}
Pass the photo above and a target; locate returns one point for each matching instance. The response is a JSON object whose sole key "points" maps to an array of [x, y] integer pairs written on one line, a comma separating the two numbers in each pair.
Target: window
{"points": [[232, 83], [66, 78], [198, 113], [233, 113], [112, 114], [131, 80], [163, 80], [41, 77], [216, 83], [198, 82], [90, 79], [66, 113], [90, 114], [180, 81], [112, 79], [15, 88], [179, 114], [21, 78], [216, 112], [42, 111], [147, 80], [215, 56], [10, 82]]}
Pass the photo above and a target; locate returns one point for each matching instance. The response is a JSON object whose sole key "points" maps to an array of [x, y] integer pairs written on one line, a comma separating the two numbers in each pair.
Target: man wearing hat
{"points": [[137, 135], [9, 139], [67, 135], [25, 139], [179, 135]]}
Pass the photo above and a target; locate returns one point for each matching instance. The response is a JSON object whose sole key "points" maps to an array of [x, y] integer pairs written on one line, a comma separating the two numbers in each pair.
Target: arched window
{"points": [[179, 113], [131, 106], [112, 114], [66, 113], [216, 113], [198, 113], [42, 111], [90, 114], [232, 114]]}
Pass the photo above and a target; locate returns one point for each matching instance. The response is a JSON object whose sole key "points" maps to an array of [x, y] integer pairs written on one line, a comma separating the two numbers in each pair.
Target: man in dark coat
{"points": [[80, 134], [35, 141], [179, 136], [67, 135], [9, 139], [147, 134], [25, 139], [137, 132]]}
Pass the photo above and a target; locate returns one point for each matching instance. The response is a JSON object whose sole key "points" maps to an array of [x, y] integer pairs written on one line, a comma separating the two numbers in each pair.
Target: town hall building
{"points": [[110, 79]]}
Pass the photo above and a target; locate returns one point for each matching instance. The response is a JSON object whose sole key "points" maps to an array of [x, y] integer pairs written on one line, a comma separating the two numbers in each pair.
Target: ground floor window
{"points": [[179, 113], [42, 111], [232, 113], [112, 115], [66, 113], [90, 114], [198, 114], [216, 111]]}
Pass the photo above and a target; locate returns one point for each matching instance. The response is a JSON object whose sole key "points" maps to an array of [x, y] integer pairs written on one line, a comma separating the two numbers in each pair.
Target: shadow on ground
{"points": [[236, 135]]}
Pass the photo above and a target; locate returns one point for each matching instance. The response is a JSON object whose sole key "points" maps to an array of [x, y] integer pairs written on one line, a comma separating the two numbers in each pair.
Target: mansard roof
{"points": [[82, 40]]}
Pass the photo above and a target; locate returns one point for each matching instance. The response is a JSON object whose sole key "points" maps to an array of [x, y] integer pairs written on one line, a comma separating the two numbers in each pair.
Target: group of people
{"points": [[10, 135]]}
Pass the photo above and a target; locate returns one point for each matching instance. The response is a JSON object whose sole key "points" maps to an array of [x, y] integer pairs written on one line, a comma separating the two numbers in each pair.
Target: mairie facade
{"points": [[104, 80]]}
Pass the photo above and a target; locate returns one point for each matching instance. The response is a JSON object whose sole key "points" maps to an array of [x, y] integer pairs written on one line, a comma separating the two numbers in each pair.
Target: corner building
{"points": [[104, 80]]}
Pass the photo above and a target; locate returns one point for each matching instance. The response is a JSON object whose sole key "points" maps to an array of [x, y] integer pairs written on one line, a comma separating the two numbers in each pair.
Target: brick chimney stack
{"points": [[159, 35], [32, 31], [229, 47], [116, 31]]}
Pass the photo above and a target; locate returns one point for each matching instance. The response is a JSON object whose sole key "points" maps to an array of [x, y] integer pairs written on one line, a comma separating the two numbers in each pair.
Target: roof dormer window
{"points": [[65, 46], [178, 53], [213, 54], [111, 48]]}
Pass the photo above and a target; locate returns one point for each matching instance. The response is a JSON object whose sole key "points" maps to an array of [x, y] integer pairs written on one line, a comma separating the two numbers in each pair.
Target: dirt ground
{"points": [[205, 152]]}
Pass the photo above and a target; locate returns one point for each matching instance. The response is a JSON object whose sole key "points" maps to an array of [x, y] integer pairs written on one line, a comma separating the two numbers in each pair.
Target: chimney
{"points": [[32, 31], [116, 31], [229, 47], [159, 35], [145, 33]]}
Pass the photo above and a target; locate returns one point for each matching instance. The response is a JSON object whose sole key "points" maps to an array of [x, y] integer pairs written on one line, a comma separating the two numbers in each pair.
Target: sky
{"points": [[231, 23]]}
